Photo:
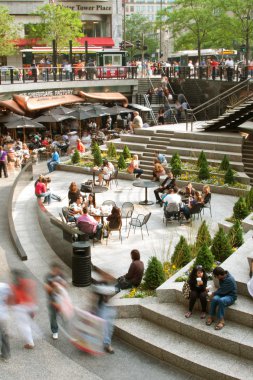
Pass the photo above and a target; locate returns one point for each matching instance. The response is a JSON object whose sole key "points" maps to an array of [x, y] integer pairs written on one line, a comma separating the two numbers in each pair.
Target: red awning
{"points": [[21, 42], [97, 41]]}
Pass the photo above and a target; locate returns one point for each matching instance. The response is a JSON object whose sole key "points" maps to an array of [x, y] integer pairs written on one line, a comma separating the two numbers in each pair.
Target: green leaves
{"points": [[9, 31]]}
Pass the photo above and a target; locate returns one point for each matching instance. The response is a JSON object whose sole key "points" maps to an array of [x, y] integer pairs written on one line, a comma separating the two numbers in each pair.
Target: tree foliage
{"points": [[221, 247], [111, 152], [205, 258], [76, 157], [121, 162], [182, 253], [229, 177], [154, 275], [240, 209], [225, 164], [58, 23], [126, 152], [249, 199], [235, 234], [9, 31], [203, 236]]}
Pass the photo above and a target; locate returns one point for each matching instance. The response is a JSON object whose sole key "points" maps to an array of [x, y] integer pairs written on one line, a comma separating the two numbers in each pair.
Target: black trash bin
{"points": [[81, 264]]}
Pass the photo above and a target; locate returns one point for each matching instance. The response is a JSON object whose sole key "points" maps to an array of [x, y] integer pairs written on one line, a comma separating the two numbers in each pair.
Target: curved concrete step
{"points": [[183, 352]]}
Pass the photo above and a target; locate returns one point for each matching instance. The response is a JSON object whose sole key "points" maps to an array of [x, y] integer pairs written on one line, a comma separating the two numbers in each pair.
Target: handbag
{"points": [[186, 290]]}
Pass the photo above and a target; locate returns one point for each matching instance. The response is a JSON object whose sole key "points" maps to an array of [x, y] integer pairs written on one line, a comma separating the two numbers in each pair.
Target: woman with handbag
{"points": [[197, 282]]}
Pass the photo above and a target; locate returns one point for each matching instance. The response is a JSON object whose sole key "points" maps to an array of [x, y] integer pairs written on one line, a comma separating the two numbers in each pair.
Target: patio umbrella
{"points": [[61, 110], [49, 117], [116, 110], [10, 117], [80, 114], [96, 110], [25, 123]]}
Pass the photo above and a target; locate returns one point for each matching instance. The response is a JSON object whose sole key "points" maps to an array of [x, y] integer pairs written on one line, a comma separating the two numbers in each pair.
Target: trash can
{"points": [[81, 264]]}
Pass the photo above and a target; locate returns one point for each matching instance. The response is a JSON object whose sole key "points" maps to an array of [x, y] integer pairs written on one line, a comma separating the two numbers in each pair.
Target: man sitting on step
{"points": [[223, 297], [168, 183]]}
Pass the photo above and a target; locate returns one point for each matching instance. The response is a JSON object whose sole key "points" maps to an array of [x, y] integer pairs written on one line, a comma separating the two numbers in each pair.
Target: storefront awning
{"points": [[104, 97], [97, 41]]}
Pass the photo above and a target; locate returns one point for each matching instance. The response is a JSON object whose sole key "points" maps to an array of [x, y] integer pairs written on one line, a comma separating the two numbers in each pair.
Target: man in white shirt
{"points": [[172, 197], [137, 121]]}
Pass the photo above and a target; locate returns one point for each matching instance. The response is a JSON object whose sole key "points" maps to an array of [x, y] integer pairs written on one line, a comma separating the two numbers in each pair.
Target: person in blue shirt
{"points": [[223, 297], [55, 160]]}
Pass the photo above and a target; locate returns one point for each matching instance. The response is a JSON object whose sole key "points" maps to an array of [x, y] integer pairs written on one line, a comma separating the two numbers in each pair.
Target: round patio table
{"points": [[146, 185]]}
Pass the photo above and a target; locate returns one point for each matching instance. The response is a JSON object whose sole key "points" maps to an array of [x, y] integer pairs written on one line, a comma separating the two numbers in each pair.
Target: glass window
{"points": [[131, 9]]}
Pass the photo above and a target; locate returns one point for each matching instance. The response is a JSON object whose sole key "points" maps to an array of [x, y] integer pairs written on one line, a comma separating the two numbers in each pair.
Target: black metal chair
{"points": [[171, 211], [113, 178], [139, 222], [109, 203], [208, 205], [196, 210], [65, 213], [109, 230], [127, 210]]}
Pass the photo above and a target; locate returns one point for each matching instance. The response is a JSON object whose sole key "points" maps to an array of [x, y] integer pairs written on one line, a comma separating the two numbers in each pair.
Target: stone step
{"points": [[160, 133], [135, 138], [157, 146], [194, 152], [206, 145], [144, 132], [160, 138], [235, 338], [181, 351], [209, 136]]}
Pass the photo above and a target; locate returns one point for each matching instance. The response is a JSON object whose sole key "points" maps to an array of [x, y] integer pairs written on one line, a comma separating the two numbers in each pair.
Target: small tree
{"points": [[249, 199], [204, 171], [221, 247], [111, 152], [121, 162], [240, 209], [94, 147], [235, 234], [176, 165], [202, 159], [229, 176], [205, 258], [126, 152], [175, 158], [224, 165], [154, 275], [76, 157], [182, 254], [203, 236], [97, 157]]}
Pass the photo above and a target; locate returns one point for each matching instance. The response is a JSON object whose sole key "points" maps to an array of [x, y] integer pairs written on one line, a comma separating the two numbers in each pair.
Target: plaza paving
{"points": [[52, 356]]}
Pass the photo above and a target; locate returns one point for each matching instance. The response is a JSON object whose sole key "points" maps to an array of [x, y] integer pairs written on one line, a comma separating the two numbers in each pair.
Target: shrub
{"points": [[94, 147], [154, 275], [182, 253], [204, 171], [203, 236], [241, 209], [121, 162], [126, 152], [221, 247], [76, 157], [97, 157], [205, 258], [249, 199], [176, 165], [224, 165], [235, 234], [229, 177], [175, 158], [202, 159], [111, 152]]}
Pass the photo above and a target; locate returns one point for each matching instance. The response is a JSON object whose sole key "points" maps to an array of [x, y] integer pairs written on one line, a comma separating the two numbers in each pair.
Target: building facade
{"points": [[100, 19]]}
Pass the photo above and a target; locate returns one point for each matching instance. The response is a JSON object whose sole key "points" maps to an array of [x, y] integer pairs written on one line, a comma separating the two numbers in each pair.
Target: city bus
{"points": [[183, 56]]}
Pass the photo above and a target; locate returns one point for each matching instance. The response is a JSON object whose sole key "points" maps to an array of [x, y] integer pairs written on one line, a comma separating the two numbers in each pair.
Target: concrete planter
{"points": [[239, 176], [88, 170], [247, 223], [226, 190]]}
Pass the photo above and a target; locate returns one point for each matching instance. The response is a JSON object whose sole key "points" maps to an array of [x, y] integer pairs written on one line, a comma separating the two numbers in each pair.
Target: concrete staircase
{"points": [[247, 157], [187, 144]]}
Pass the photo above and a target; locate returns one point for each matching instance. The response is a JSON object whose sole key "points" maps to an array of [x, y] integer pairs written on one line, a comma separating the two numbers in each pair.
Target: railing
{"points": [[221, 101], [55, 74]]}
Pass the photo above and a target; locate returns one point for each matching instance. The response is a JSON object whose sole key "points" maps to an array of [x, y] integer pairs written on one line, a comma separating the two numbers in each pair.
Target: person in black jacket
{"points": [[197, 281], [168, 183]]}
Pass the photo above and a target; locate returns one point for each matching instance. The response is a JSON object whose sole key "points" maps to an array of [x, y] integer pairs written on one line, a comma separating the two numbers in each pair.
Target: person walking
{"points": [[5, 293], [55, 275], [3, 162], [223, 297]]}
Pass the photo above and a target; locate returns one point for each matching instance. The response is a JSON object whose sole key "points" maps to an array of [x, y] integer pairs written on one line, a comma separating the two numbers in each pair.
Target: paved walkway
{"points": [[51, 359]]}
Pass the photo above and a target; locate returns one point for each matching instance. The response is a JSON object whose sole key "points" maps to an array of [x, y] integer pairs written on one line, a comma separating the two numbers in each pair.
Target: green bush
{"points": [[97, 157], [176, 165], [126, 152], [221, 247], [121, 162], [203, 236], [249, 199], [235, 235], [175, 158], [94, 147], [240, 209], [201, 159], [229, 176], [205, 258], [111, 152], [225, 164], [204, 171], [182, 254], [76, 158], [154, 275]]}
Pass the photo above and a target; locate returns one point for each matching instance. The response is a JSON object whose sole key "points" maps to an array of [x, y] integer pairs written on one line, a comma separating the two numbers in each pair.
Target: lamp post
{"points": [[124, 23]]}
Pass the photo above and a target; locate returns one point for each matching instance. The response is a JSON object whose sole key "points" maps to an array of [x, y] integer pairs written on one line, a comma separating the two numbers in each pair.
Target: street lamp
{"points": [[124, 23]]}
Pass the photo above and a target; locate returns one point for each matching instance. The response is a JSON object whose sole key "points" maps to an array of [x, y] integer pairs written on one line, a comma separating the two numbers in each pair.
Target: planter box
{"points": [[216, 189], [87, 170], [239, 176], [225, 225], [247, 223]]}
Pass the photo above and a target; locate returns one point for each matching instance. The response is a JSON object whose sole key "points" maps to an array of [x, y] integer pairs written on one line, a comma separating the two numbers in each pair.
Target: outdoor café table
{"points": [[146, 185], [98, 190], [98, 213]]}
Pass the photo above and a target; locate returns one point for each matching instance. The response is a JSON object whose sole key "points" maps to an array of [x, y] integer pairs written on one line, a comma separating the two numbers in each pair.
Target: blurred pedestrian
{"points": [[3, 162], [5, 293]]}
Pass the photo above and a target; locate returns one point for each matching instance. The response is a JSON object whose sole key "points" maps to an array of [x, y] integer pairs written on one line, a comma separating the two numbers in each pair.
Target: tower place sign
{"points": [[89, 7]]}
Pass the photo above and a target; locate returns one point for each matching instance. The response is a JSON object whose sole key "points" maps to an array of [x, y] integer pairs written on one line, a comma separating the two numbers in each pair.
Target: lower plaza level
{"points": [[59, 358]]}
